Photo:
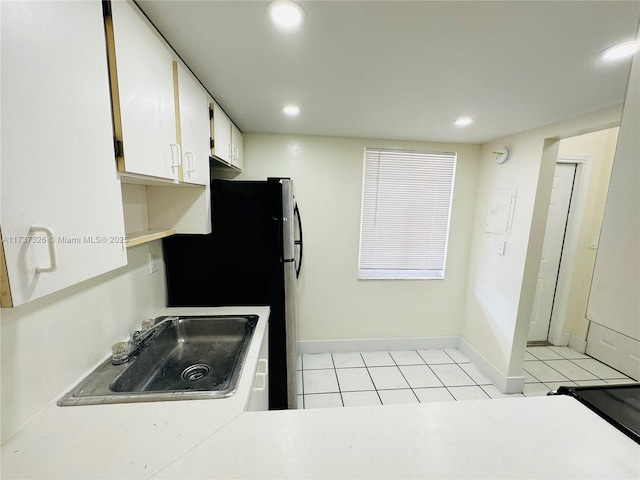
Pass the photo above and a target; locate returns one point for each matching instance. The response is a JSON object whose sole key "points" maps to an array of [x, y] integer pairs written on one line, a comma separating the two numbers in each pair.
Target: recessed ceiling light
{"points": [[462, 121], [291, 110], [285, 14], [621, 50]]}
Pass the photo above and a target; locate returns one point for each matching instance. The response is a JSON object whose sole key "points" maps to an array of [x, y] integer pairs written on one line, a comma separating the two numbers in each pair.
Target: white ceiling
{"points": [[404, 70]]}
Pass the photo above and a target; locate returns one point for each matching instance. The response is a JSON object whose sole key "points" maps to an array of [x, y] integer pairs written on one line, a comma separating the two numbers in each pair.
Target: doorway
{"points": [[562, 192], [560, 306]]}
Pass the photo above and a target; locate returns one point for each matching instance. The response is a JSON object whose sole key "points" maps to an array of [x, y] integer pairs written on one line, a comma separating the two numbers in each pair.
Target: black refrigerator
{"points": [[252, 258]]}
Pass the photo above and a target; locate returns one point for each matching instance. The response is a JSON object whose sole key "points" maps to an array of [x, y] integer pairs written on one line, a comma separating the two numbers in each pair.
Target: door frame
{"points": [[583, 162]]}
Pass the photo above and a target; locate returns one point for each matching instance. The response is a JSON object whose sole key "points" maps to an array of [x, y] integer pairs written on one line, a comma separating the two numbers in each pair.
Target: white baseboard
{"points": [[504, 383], [376, 344]]}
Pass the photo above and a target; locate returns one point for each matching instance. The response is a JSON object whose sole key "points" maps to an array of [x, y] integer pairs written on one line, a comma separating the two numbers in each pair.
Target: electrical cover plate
{"points": [[500, 214]]}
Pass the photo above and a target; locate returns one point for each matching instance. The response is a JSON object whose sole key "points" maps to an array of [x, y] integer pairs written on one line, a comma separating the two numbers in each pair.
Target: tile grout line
{"points": [[593, 373], [335, 372], [372, 382], [302, 379], [403, 376], [546, 364], [476, 384], [436, 375], [557, 371], [571, 379], [302, 375], [575, 380], [454, 361], [589, 371]]}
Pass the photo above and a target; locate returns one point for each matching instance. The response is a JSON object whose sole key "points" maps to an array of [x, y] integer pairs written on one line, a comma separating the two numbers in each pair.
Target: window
{"points": [[406, 206]]}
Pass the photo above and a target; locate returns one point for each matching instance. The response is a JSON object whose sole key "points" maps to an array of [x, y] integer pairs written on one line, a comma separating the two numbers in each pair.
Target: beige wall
{"points": [[486, 298], [600, 148], [333, 303], [500, 289], [49, 344]]}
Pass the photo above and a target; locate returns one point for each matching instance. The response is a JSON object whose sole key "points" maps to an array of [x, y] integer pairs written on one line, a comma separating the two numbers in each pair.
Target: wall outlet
{"points": [[154, 258], [500, 247]]}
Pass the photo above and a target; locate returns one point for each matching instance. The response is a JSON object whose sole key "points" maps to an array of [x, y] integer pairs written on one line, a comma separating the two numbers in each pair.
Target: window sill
{"points": [[400, 275]]}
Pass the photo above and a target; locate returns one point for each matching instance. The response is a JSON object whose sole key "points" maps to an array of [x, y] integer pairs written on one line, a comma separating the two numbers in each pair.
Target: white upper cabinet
{"points": [[237, 147], [61, 217], [141, 67], [194, 127], [227, 139], [221, 134]]}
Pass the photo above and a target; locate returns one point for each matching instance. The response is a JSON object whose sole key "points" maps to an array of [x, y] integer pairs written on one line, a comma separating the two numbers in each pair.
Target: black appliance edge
{"points": [[594, 398]]}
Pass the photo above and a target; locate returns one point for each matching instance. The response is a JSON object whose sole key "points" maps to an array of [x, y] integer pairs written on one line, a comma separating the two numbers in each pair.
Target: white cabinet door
{"points": [[259, 397], [237, 146], [58, 167], [144, 107], [221, 134], [194, 128]]}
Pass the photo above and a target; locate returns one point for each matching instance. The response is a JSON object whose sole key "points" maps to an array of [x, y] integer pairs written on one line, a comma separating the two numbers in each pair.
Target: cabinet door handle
{"points": [[262, 363], [51, 243], [191, 161], [175, 154], [231, 152], [264, 382], [265, 362]]}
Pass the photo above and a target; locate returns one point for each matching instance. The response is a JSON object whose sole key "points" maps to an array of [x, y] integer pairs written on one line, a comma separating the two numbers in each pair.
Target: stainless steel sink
{"points": [[188, 358]]}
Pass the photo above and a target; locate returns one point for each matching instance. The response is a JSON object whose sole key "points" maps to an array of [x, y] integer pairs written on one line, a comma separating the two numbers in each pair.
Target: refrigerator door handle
{"points": [[288, 247], [298, 242]]}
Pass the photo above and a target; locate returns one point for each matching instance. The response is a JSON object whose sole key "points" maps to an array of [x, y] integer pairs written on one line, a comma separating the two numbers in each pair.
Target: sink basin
{"points": [[191, 357]]}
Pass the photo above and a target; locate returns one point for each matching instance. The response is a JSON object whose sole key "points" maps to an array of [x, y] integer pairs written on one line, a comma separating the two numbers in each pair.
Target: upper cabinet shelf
{"points": [[138, 238], [224, 170]]}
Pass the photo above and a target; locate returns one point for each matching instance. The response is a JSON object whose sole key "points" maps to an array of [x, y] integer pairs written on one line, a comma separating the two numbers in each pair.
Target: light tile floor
{"points": [[419, 376]]}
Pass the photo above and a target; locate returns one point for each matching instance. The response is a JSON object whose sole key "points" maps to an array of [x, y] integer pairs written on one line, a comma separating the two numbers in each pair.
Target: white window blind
{"points": [[406, 206]]}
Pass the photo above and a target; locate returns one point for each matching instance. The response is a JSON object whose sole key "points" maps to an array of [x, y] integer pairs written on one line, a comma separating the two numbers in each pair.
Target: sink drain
{"points": [[196, 372]]}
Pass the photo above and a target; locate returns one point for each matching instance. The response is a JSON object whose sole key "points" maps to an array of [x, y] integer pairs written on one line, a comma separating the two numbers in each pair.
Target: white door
{"points": [[146, 95], [221, 134], [237, 147], [552, 251], [194, 128]]}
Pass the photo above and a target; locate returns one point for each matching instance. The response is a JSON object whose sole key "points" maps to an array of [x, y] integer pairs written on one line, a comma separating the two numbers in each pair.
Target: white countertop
{"points": [[542, 437]]}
